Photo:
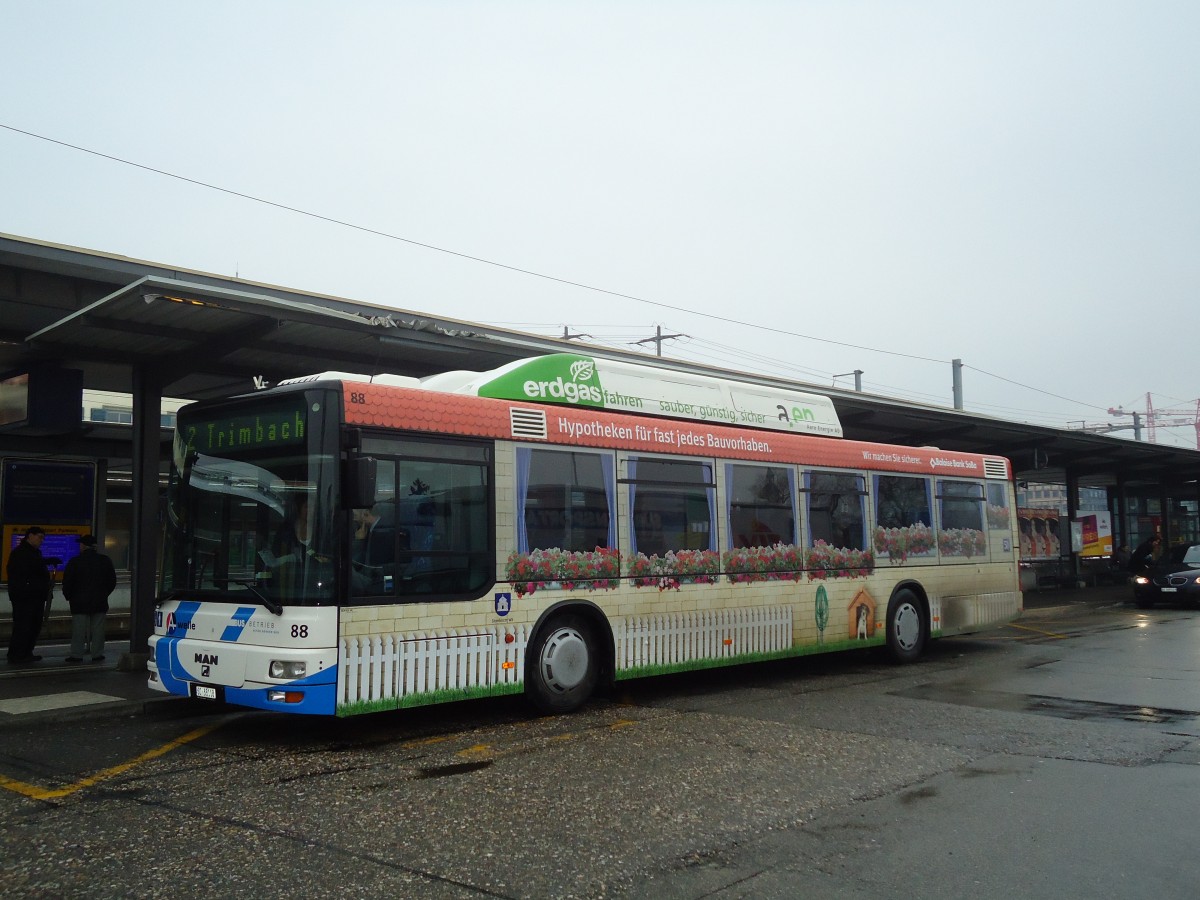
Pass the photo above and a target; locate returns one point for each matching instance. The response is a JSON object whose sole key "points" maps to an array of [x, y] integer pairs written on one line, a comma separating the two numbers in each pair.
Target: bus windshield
{"points": [[251, 503]]}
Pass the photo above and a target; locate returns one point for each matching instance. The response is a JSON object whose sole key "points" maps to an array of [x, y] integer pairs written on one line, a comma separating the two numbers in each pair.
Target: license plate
{"points": [[1169, 590], [206, 692]]}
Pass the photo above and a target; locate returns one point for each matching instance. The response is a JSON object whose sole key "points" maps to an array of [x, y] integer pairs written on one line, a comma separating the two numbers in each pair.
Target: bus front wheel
{"points": [[563, 666], [907, 629]]}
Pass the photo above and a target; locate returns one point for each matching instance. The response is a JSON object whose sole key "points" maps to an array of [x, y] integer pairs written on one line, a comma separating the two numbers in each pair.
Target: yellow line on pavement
{"points": [[39, 793], [1053, 634], [477, 750]]}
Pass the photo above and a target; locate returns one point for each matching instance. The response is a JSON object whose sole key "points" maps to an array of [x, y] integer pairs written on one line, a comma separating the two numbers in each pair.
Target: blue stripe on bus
{"points": [[166, 657], [319, 688], [233, 631], [319, 699], [183, 615]]}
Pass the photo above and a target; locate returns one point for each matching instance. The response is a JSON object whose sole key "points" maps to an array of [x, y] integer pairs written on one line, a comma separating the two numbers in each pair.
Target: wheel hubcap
{"points": [[908, 626], [564, 660]]}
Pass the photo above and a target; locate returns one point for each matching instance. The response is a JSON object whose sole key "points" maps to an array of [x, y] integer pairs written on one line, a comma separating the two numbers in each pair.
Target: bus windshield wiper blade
{"points": [[271, 605]]}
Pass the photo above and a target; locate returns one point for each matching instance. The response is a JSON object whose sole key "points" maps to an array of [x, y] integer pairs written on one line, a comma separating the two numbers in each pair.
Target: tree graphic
{"points": [[822, 613]]}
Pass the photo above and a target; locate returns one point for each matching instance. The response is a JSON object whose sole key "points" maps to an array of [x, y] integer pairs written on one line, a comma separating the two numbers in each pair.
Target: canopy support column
{"points": [[147, 450]]}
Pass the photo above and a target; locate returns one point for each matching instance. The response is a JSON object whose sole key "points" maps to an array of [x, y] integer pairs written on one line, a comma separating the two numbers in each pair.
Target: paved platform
{"points": [[57, 688]]}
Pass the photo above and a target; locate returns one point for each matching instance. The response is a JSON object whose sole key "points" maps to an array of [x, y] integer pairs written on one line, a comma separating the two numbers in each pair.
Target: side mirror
{"points": [[358, 481]]}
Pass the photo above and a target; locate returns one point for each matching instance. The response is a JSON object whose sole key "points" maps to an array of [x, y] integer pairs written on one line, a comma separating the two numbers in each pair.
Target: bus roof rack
{"points": [[583, 381], [393, 380]]}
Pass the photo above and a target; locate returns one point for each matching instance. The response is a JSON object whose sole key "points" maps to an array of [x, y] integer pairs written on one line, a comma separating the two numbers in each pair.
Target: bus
{"points": [[341, 544]]}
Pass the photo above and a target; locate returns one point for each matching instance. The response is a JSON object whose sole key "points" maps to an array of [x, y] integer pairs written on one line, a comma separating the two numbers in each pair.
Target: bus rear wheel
{"points": [[907, 630], [563, 666]]}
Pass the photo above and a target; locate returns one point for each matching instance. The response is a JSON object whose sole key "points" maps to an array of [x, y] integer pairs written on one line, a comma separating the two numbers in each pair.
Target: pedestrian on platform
{"points": [[29, 588], [87, 581], [1145, 555], [1122, 558]]}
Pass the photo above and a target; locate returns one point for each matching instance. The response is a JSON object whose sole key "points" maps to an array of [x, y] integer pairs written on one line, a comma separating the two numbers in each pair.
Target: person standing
{"points": [[29, 587], [1144, 556], [87, 581]]}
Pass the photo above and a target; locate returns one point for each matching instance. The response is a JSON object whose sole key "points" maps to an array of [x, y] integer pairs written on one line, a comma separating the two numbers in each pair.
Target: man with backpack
{"points": [[87, 581]]}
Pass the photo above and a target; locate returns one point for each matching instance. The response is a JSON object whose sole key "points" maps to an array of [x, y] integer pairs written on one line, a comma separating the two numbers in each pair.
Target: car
{"points": [[1174, 577]]}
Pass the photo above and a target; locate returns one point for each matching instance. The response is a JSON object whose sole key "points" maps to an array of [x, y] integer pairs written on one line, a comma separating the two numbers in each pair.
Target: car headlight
{"points": [[288, 668], [1141, 579]]}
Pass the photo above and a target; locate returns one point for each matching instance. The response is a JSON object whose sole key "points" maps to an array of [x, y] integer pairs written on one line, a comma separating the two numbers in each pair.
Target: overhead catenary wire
{"points": [[519, 269], [719, 354]]}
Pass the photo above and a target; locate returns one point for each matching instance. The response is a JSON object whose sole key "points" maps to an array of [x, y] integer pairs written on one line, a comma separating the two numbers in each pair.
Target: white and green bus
{"points": [[342, 544]]}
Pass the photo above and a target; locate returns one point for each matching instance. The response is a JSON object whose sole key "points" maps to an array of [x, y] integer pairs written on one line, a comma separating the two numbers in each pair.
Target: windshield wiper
{"points": [[271, 605]]}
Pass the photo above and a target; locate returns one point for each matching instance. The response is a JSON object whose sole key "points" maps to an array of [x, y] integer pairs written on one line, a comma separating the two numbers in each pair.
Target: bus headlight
{"points": [[288, 668]]}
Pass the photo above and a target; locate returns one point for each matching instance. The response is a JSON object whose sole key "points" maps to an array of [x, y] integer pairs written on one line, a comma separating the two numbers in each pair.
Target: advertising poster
{"points": [[1096, 534], [1039, 530]]}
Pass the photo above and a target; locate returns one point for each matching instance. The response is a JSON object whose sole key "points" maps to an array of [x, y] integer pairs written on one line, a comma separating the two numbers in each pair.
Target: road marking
{"points": [[421, 742], [477, 750], [1053, 634], [39, 793]]}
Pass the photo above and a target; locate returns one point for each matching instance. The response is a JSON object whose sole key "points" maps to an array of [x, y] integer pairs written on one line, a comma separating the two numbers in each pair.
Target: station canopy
{"points": [[205, 336]]}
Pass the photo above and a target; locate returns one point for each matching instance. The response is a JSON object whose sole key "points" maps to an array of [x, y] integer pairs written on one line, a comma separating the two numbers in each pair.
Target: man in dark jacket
{"points": [[87, 581], [28, 590], [1145, 555]]}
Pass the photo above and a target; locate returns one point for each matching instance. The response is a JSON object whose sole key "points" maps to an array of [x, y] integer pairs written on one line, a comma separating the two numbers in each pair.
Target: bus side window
{"points": [[442, 512], [373, 554], [836, 509], [760, 505], [673, 505]]}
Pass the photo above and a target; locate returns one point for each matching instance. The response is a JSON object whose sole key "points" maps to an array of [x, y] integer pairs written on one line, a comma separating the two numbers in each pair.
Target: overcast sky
{"points": [[800, 188]]}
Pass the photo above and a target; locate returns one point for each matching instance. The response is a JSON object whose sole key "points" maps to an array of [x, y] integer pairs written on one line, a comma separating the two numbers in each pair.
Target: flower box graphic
{"points": [[779, 562], [901, 543], [962, 542], [997, 517], [599, 569], [588, 570], [787, 562], [674, 568], [826, 561]]}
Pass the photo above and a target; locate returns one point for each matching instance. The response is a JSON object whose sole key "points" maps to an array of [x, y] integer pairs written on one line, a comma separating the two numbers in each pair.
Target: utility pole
{"points": [[1137, 422], [956, 369], [858, 374], [658, 339], [1155, 418]]}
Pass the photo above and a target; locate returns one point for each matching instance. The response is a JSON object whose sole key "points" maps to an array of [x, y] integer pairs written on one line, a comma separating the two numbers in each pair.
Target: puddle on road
{"points": [[1059, 707], [1066, 708]]}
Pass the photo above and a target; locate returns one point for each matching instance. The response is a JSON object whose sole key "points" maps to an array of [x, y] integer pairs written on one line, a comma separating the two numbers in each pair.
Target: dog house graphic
{"points": [[862, 616]]}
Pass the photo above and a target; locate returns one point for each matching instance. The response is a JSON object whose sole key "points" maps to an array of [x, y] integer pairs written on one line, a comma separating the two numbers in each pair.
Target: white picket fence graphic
{"points": [[709, 634], [387, 666], [391, 666]]}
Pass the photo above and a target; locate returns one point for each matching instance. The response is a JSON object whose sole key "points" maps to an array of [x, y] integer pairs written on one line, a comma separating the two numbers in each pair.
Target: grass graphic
{"points": [[445, 695]]}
